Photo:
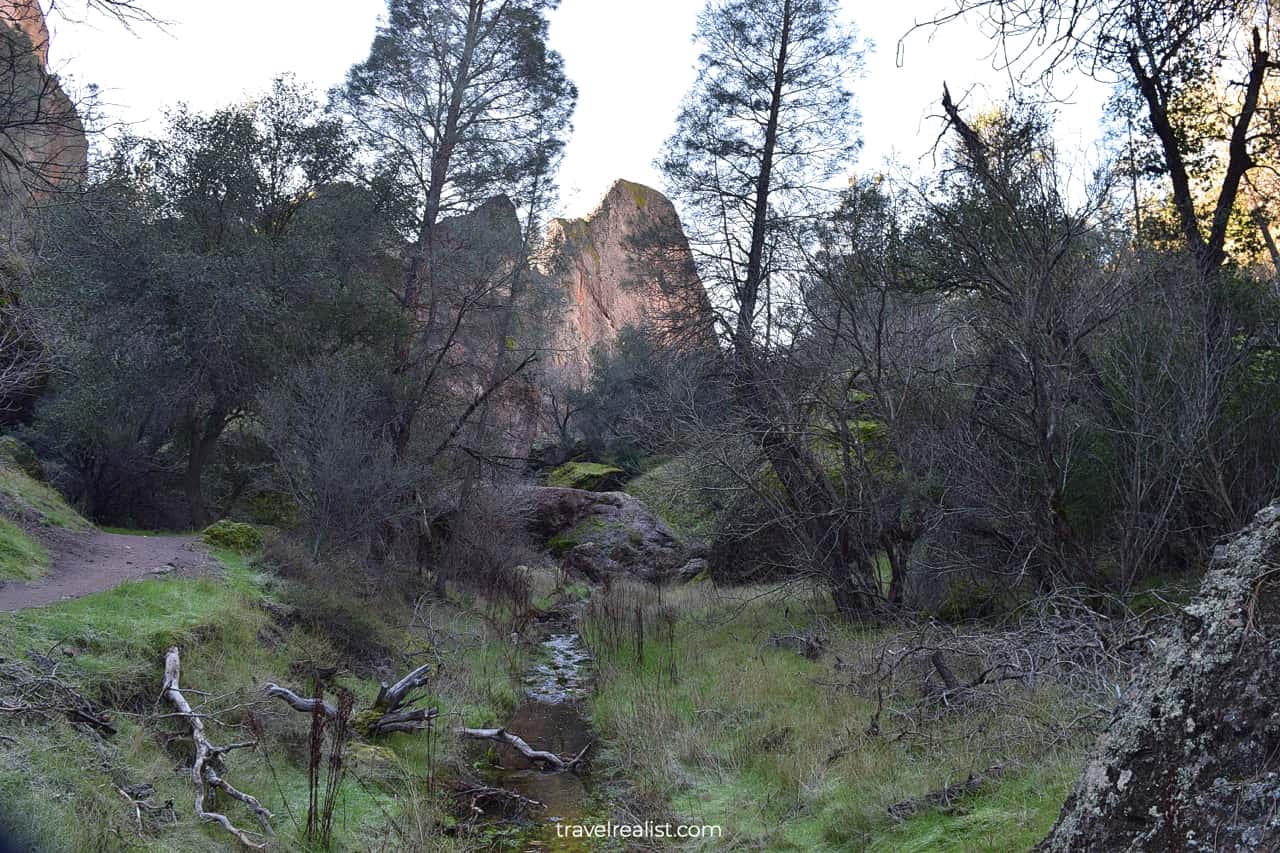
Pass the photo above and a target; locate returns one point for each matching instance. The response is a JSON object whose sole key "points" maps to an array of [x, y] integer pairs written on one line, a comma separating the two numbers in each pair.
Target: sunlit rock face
{"points": [[626, 264], [25, 15], [41, 134]]}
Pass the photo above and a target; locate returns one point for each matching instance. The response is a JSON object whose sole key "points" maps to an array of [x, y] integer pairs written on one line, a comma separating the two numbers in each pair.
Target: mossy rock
{"points": [[589, 476], [22, 456], [233, 535]]}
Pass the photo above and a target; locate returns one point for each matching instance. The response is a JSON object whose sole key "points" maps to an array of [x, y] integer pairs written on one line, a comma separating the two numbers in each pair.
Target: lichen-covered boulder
{"points": [[604, 533], [1191, 761]]}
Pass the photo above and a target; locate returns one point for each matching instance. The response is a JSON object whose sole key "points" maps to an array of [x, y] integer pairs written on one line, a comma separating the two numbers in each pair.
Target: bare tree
{"points": [[1158, 51]]}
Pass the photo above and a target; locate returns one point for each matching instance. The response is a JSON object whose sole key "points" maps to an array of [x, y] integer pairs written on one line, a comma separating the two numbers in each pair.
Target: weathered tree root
{"points": [[390, 712], [208, 758], [549, 760]]}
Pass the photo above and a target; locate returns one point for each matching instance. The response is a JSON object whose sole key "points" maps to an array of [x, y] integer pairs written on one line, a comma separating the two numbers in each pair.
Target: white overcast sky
{"points": [[631, 59]]}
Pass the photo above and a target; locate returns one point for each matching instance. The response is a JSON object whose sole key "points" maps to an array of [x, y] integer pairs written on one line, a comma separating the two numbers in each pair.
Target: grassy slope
{"points": [[25, 502], [665, 489], [22, 558], [23, 495], [62, 782], [744, 736]]}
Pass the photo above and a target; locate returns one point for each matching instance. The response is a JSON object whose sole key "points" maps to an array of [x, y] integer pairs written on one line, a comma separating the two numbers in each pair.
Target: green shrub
{"points": [[233, 535]]}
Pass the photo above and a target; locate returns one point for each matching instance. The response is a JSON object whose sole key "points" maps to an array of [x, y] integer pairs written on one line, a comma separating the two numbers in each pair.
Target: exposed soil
{"points": [[94, 561]]}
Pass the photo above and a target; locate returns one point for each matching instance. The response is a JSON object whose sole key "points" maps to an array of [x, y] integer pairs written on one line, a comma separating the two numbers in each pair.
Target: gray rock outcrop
{"points": [[605, 533], [1191, 761]]}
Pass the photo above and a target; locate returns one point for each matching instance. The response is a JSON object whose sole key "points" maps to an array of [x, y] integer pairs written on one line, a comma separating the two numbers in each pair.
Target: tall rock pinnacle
{"points": [[626, 264]]}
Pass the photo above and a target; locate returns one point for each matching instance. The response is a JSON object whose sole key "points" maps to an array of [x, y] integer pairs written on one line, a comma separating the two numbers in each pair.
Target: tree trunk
{"points": [[203, 442]]}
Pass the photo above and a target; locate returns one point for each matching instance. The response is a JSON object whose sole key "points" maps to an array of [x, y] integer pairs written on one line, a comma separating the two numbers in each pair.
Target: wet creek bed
{"points": [[551, 718]]}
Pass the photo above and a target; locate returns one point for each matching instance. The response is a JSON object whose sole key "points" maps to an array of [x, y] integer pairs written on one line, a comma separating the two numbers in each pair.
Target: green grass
{"points": [[711, 726], [21, 557], [38, 499], [135, 531], [62, 782], [27, 503]]}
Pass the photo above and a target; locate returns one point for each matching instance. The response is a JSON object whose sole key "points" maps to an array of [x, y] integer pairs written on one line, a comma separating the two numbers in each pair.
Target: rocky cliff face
{"points": [[42, 136], [627, 264], [25, 15], [1192, 759]]}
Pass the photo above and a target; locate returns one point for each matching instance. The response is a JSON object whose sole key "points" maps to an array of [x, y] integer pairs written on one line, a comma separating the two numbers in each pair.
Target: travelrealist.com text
{"points": [[648, 829]]}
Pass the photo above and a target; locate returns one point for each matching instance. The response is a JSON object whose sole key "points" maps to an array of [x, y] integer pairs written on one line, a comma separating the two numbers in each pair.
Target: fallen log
{"points": [[390, 712], [539, 756], [944, 797], [208, 760]]}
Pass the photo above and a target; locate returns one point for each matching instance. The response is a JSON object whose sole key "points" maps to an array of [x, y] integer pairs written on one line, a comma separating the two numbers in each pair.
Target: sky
{"points": [[633, 61]]}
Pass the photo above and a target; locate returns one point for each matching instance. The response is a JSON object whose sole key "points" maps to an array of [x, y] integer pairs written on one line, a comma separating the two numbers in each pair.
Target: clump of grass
{"points": [[21, 557], [711, 725]]}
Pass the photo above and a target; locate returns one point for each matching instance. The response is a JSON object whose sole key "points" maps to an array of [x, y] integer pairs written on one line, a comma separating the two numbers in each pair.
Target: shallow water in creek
{"points": [[551, 718]]}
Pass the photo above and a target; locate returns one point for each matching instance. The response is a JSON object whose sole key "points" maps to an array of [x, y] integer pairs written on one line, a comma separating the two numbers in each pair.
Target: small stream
{"points": [[551, 718]]}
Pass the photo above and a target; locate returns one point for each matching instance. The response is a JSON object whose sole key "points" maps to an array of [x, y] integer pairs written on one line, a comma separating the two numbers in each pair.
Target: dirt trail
{"points": [[94, 561]]}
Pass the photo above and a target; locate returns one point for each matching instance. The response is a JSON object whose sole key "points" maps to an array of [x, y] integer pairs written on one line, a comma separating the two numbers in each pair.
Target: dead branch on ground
{"points": [[478, 799], [946, 796], [25, 691], [549, 760], [208, 761], [392, 711]]}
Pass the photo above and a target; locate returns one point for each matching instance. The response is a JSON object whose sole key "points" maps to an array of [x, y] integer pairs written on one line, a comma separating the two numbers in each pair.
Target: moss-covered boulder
{"points": [[232, 535], [605, 533], [590, 476]]}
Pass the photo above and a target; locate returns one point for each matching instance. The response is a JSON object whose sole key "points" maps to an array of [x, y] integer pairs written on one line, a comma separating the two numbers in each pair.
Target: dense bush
{"points": [[233, 535]]}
